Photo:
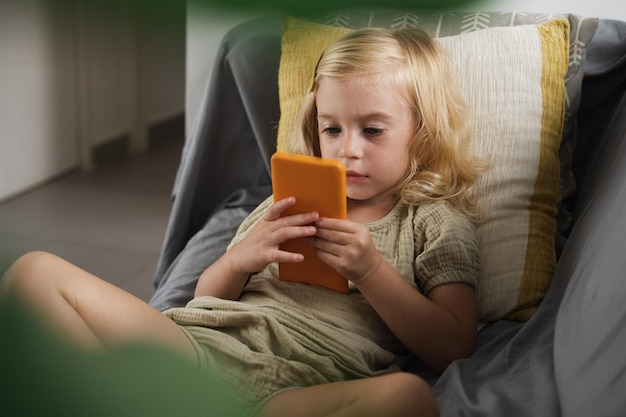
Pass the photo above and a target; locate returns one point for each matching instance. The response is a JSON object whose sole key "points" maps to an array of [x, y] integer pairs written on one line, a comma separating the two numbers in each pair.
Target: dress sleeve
{"points": [[445, 246], [249, 222]]}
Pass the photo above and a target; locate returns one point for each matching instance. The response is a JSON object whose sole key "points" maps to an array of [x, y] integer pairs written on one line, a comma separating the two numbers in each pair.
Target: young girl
{"points": [[382, 103]]}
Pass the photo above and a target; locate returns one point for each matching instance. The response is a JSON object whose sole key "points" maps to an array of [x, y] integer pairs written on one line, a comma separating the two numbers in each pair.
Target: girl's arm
{"points": [[226, 277], [437, 328]]}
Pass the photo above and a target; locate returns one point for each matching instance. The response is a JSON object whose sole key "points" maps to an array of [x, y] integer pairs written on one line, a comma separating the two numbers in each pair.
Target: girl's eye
{"points": [[332, 131], [372, 131]]}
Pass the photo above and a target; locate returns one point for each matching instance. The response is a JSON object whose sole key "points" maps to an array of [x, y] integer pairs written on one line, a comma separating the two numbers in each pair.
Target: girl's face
{"points": [[366, 125]]}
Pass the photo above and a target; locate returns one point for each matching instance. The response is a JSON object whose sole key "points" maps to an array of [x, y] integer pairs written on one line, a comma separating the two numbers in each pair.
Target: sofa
{"points": [[566, 357]]}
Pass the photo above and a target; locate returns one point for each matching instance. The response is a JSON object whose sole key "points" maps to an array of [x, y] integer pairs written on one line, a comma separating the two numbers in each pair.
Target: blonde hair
{"points": [[440, 166]]}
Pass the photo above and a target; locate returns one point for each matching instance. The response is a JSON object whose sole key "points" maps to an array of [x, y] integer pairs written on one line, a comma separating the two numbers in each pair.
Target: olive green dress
{"points": [[282, 335]]}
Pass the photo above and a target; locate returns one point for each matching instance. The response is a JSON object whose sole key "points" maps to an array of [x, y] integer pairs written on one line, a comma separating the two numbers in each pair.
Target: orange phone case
{"points": [[318, 185]]}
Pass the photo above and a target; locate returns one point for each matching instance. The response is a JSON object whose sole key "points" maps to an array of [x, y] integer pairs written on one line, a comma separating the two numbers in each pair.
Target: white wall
{"points": [[37, 93], [132, 63], [133, 52], [207, 24]]}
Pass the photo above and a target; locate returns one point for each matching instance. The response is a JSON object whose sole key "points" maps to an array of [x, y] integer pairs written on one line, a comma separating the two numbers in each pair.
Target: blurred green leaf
{"points": [[307, 7]]}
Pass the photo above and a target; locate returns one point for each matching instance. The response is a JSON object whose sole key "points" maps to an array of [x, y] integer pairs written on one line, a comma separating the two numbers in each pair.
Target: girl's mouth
{"points": [[353, 177]]}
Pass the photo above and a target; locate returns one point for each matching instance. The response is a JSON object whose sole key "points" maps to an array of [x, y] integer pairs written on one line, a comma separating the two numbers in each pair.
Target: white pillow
{"points": [[513, 80]]}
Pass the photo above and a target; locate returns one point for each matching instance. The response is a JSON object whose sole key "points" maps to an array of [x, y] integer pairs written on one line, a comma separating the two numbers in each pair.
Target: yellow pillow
{"points": [[513, 80]]}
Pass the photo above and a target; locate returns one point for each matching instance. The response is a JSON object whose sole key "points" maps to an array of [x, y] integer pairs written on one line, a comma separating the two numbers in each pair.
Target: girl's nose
{"points": [[350, 147]]}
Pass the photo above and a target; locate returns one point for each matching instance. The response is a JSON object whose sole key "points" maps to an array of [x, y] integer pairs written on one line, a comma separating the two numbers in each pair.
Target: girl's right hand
{"points": [[261, 246]]}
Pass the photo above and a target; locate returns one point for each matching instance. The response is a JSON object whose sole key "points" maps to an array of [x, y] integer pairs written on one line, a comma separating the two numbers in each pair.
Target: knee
{"points": [[409, 395], [26, 270]]}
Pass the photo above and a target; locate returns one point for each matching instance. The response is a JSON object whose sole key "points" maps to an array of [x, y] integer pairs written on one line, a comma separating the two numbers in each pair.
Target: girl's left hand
{"points": [[347, 247]]}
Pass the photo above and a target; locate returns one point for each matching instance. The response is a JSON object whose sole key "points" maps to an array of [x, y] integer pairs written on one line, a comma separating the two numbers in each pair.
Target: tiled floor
{"points": [[110, 222]]}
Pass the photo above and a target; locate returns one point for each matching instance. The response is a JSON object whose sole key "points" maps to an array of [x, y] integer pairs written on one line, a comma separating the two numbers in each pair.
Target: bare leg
{"points": [[393, 395], [86, 309]]}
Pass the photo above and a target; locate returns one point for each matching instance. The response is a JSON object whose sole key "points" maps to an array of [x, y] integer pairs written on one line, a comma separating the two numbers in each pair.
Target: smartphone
{"points": [[319, 185]]}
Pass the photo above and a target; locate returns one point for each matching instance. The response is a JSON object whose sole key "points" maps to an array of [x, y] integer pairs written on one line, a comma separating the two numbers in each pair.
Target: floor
{"points": [[110, 222]]}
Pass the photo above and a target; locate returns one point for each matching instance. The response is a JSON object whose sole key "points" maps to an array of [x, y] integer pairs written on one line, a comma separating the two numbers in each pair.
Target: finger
{"points": [[293, 232], [325, 246], [279, 207], [335, 236], [288, 257], [299, 219], [276, 211], [337, 224]]}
